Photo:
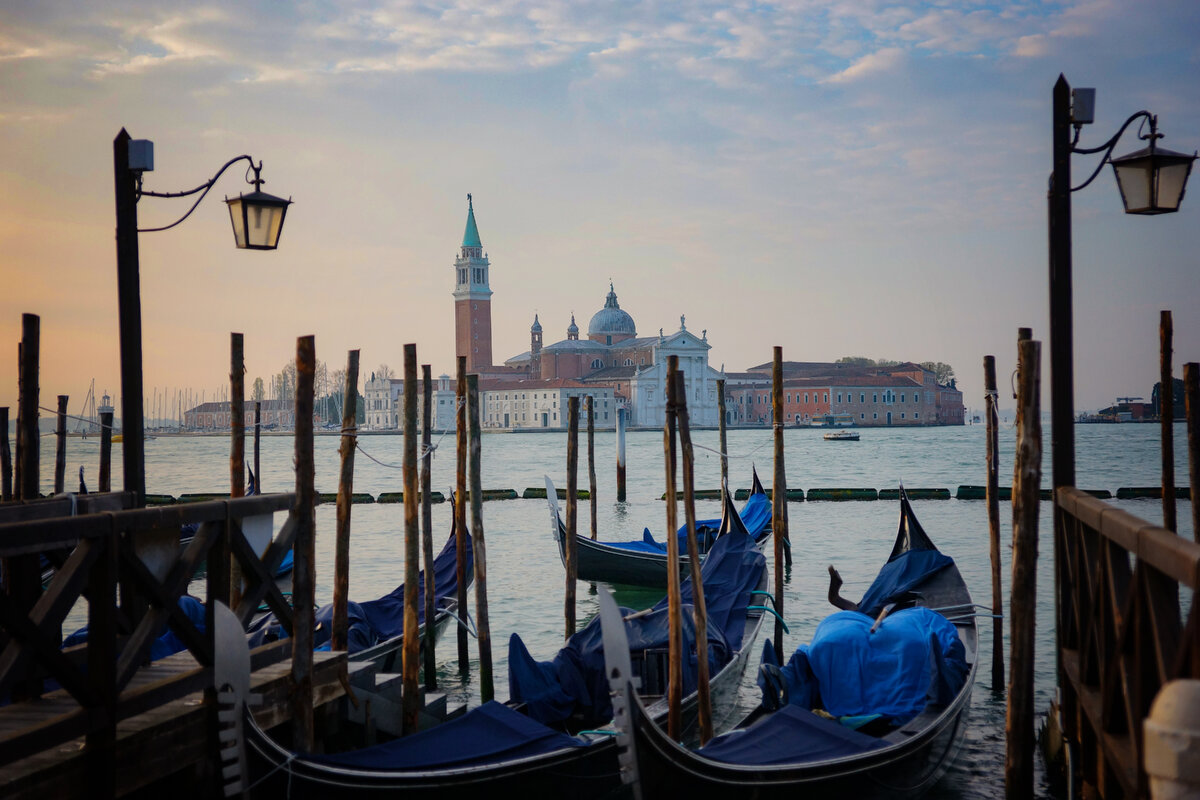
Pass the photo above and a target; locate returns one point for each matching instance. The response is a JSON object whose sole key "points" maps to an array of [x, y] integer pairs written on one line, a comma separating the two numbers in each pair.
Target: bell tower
{"points": [[472, 299]]}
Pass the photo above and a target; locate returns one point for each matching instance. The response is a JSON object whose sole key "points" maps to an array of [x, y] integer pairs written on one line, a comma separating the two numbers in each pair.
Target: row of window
{"points": [[888, 397]]}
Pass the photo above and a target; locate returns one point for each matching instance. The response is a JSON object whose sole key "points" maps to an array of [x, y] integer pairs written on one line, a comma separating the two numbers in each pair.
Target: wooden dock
{"points": [[98, 719], [171, 739]]}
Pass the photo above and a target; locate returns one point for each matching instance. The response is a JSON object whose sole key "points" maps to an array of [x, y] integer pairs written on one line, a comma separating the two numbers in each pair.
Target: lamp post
{"points": [[257, 220], [1151, 181]]}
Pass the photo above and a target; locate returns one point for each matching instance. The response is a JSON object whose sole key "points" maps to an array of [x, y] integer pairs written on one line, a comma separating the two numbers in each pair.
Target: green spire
{"points": [[471, 235]]}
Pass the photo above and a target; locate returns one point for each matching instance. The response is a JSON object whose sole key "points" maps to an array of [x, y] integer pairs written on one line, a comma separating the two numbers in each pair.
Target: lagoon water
{"points": [[525, 575]]}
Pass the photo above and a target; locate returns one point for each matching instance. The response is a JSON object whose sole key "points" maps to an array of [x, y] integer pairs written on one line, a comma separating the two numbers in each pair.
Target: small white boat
{"points": [[841, 436]]}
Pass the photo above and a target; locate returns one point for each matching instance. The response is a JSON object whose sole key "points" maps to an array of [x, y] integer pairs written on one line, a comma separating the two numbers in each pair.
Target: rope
{"points": [[727, 455]]}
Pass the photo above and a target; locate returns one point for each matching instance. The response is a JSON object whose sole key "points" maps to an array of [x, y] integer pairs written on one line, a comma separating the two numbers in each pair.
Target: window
{"points": [[916, 415], [901, 415], [597, 363], [827, 397], [789, 397], [875, 416], [862, 398], [839, 397], [875, 397], [902, 397], [806, 397], [862, 416]]}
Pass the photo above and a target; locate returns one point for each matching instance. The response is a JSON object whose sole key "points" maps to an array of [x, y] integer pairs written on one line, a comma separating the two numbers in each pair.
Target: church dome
{"points": [[611, 320]]}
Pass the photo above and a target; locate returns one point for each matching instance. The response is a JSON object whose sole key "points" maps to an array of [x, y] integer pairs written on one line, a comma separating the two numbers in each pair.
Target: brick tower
{"points": [[472, 299]]}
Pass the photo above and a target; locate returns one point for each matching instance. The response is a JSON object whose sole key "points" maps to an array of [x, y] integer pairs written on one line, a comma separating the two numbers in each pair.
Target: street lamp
{"points": [[257, 220], [1151, 181]]}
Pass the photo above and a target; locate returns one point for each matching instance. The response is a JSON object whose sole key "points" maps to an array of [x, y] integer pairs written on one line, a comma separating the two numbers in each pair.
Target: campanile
{"points": [[472, 299]]}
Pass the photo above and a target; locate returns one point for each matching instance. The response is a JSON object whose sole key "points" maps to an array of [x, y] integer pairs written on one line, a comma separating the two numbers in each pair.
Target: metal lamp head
{"points": [[1152, 180], [257, 219]]}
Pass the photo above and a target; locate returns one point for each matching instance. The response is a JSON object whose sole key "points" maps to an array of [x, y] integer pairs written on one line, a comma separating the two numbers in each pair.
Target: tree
{"points": [[259, 391], [943, 373], [856, 361], [384, 372]]}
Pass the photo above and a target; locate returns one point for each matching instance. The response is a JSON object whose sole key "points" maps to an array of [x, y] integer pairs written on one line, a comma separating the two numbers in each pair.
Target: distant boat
{"points": [[841, 436]]}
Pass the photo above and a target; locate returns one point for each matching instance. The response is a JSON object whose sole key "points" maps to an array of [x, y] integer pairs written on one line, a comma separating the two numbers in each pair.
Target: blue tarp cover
{"points": [[167, 642], [375, 621], [914, 658], [574, 681], [790, 735], [903, 573], [487, 734]]}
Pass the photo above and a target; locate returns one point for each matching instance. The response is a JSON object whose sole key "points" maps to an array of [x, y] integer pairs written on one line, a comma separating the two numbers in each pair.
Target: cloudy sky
{"points": [[839, 177]]}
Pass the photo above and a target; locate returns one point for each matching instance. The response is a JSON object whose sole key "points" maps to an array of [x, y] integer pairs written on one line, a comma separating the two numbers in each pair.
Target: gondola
{"points": [[899, 752], [644, 562], [550, 738], [375, 627], [375, 630]]}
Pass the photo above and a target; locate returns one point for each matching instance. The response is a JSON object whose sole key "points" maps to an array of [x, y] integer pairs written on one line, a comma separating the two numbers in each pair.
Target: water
{"points": [[525, 576]]}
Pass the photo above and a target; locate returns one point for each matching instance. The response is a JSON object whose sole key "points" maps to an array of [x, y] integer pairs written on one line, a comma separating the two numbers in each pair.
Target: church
{"points": [[611, 361]]}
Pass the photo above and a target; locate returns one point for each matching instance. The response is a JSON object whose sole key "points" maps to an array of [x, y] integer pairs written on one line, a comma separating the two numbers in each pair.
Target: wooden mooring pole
{"points": [[1191, 397], [591, 434], [22, 574], [6, 471], [460, 508], [621, 415], [482, 626], [106, 425], [1166, 416], [779, 497], [237, 447], [993, 510], [258, 478], [338, 636], [721, 440], [304, 578], [1027, 475], [412, 539], [699, 610], [674, 602], [430, 641], [572, 512], [60, 445]]}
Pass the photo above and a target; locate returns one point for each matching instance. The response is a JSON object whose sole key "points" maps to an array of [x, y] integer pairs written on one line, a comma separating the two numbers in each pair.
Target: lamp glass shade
{"points": [[257, 220], [1152, 180]]}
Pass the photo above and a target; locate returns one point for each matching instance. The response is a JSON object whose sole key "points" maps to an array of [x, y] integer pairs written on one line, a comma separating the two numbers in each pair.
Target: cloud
{"points": [[1032, 46], [881, 61]]}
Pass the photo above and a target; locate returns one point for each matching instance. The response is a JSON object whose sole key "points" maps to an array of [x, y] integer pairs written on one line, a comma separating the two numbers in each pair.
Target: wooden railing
{"points": [[130, 568], [1121, 632]]}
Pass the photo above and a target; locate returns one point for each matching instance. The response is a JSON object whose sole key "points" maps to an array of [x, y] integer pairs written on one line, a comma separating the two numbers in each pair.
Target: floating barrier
{"points": [[1132, 492], [160, 500], [980, 493], [356, 498], [535, 492], [398, 497], [843, 494], [200, 497], [793, 495], [915, 494]]}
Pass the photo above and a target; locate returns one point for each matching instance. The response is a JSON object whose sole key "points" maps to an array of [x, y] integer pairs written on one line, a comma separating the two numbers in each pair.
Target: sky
{"points": [[836, 177]]}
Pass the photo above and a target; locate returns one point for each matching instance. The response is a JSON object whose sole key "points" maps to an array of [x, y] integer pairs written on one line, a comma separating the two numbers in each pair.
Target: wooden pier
{"points": [[117, 722]]}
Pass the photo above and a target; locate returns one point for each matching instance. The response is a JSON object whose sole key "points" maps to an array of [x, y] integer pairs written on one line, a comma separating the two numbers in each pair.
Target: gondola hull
{"points": [[578, 771], [611, 562], [780, 761], [907, 770]]}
